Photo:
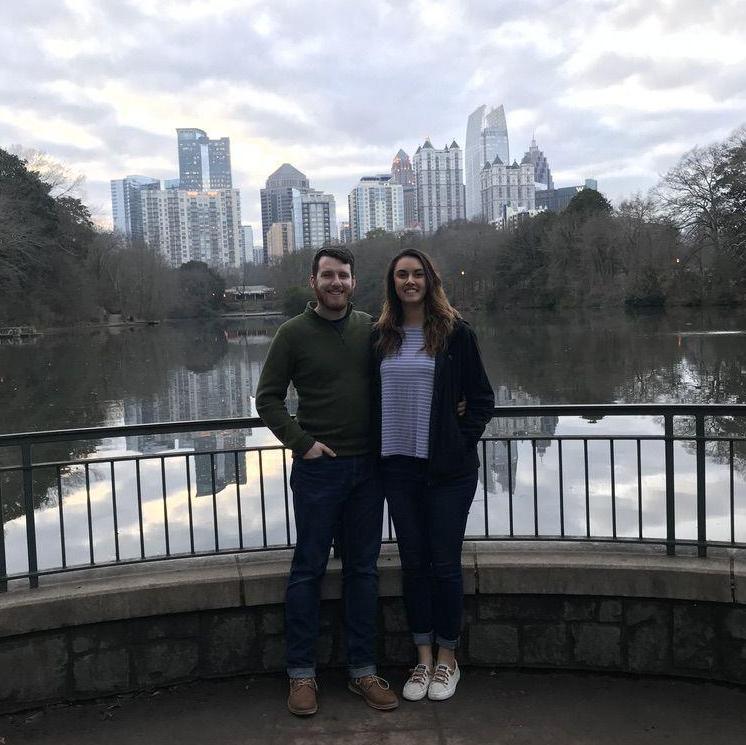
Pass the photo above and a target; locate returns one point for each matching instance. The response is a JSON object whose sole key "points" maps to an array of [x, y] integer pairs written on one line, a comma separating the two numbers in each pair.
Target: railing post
{"points": [[670, 500], [3, 565], [28, 505], [701, 501]]}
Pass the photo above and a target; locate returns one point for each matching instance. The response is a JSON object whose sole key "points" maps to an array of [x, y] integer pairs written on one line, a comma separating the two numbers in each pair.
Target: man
{"points": [[325, 353]]}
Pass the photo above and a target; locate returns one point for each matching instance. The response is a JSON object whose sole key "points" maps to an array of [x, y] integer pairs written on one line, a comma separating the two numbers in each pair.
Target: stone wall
{"points": [[82, 640]]}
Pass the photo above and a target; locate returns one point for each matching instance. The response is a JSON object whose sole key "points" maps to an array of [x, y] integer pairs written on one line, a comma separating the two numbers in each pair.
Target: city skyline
{"points": [[617, 92]]}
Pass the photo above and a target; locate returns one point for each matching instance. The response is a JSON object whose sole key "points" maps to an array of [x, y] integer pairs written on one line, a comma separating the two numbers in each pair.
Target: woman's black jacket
{"points": [[459, 372]]}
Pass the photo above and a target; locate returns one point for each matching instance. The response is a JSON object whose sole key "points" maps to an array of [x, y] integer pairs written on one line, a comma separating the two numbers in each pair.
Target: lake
{"points": [[185, 371]]}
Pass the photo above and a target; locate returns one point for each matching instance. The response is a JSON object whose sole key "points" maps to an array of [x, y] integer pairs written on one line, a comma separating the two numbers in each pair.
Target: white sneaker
{"points": [[444, 682], [415, 689]]}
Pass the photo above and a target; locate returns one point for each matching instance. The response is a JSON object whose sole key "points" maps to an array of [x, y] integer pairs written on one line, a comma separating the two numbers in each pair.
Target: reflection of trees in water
{"points": [[75, 379], [587, 357]]}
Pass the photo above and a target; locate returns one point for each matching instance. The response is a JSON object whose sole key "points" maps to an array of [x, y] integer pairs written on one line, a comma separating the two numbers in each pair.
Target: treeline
{"points": [[56, 267], [682, 244]]}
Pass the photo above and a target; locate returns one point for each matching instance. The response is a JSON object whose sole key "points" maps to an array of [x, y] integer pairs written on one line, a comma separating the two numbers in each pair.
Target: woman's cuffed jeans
{"points": [[334, 496], [430, 522]]}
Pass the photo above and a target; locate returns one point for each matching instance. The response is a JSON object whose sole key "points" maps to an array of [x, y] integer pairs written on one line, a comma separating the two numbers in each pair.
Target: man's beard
{"points": [[332, 302]]}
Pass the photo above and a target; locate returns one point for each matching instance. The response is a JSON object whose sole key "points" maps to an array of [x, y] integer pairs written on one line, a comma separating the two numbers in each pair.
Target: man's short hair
{"points": [[340, 254]]}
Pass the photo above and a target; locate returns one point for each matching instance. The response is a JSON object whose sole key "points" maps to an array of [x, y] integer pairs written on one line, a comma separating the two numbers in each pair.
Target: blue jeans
{"points": [[430, 522], [334, 494]]}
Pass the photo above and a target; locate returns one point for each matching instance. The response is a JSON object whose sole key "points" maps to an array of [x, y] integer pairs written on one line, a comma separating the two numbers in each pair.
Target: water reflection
{"points": [[198, 371]]}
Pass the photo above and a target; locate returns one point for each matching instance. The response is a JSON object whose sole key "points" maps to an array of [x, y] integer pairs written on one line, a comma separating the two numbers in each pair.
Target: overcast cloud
{"points": [[613, 90]]}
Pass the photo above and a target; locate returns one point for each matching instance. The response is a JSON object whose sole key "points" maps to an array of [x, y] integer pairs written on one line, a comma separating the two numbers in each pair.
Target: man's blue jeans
{"points": [[430, 521], [329, 494]]}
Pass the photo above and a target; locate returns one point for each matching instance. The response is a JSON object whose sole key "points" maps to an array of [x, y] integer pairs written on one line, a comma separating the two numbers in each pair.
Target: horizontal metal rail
{"points": [[146, 506]]}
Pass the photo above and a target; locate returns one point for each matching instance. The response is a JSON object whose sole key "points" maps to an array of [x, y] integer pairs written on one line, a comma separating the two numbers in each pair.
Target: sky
{"points": [[613, 90]]}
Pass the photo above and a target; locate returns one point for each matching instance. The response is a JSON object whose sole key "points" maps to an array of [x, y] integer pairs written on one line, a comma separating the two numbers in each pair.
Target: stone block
{"points": [[493, 644], [579, 609], [273, 653], [544, 644], [32, 670], [394, 616], [649, 647], [102, 671], [273, 620], [597, 645], [399, 650], [735, 623], [165, 661], [645, 611], [520, 608], [101, 636], [694, 637], [734, 663], [177, 626], [228, 642], [610, 611]]}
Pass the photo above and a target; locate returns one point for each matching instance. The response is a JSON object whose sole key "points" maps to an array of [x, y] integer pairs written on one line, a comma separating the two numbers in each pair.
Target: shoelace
{"points": [[300, 682], [369, 680], [419, 674], [442, 674]]}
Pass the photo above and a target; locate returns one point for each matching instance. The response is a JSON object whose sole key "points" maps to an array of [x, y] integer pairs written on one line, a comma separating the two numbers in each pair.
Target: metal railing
{"points": [[35, 487]]}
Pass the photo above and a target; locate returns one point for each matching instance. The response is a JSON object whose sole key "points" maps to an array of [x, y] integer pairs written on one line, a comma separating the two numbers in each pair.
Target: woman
{"points": [[429, 361]]}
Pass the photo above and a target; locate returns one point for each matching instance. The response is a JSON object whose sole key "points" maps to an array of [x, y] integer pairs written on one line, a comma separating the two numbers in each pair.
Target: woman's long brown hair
{"points": [[440, 315]]}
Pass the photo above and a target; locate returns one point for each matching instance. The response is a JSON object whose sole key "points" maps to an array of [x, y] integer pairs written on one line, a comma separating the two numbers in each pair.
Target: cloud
{"points": [[611, 89]]}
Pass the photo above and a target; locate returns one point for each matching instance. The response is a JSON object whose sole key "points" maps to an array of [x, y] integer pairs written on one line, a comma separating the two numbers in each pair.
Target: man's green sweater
{"points": [[329, 367]]}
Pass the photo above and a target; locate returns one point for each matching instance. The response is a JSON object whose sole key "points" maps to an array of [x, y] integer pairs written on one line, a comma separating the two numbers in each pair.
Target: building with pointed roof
{"points": [[506, 190], [486, 137], [542, 172], [403, 173], [439, 176], [277, 198]]}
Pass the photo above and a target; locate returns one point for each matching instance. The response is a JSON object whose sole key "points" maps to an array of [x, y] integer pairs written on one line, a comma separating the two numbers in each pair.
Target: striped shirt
{"points": [[406, 397]]}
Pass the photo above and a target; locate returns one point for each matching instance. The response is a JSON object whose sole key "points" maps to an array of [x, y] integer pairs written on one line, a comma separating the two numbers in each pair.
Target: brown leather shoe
{"points": [[302, 698], [375, 691]]}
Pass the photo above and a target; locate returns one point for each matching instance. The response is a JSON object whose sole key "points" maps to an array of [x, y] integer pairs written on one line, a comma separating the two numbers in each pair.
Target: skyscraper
{"points": [[486, 137], [506, 189], [314, 218], [542, 172], [126, 207], [440, 185], [203, 163], [194, 225], [376, 202], [403, 173], [277, 198]]}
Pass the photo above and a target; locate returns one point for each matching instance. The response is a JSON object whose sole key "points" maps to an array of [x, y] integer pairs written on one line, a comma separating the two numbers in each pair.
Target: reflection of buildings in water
{"points": [[499, 470], [224, 463]]}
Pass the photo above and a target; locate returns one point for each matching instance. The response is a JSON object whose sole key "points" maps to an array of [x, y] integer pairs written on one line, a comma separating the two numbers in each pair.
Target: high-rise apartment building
{"points": [[126, 207], [314, 218], [345, 235], [542, 172], [440, 185], [403, 173], [507, 190], [376, 202], [280, 240], [203, 163], [194, 225], [486, 138], [277, 198]]}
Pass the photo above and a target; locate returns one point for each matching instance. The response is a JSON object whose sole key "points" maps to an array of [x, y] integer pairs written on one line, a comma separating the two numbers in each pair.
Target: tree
{"points": [[588, 202], [200, 290], [691, 197]]}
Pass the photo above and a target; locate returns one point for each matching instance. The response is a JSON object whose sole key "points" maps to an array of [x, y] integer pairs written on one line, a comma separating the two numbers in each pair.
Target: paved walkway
{"points": [[490, 707]]}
